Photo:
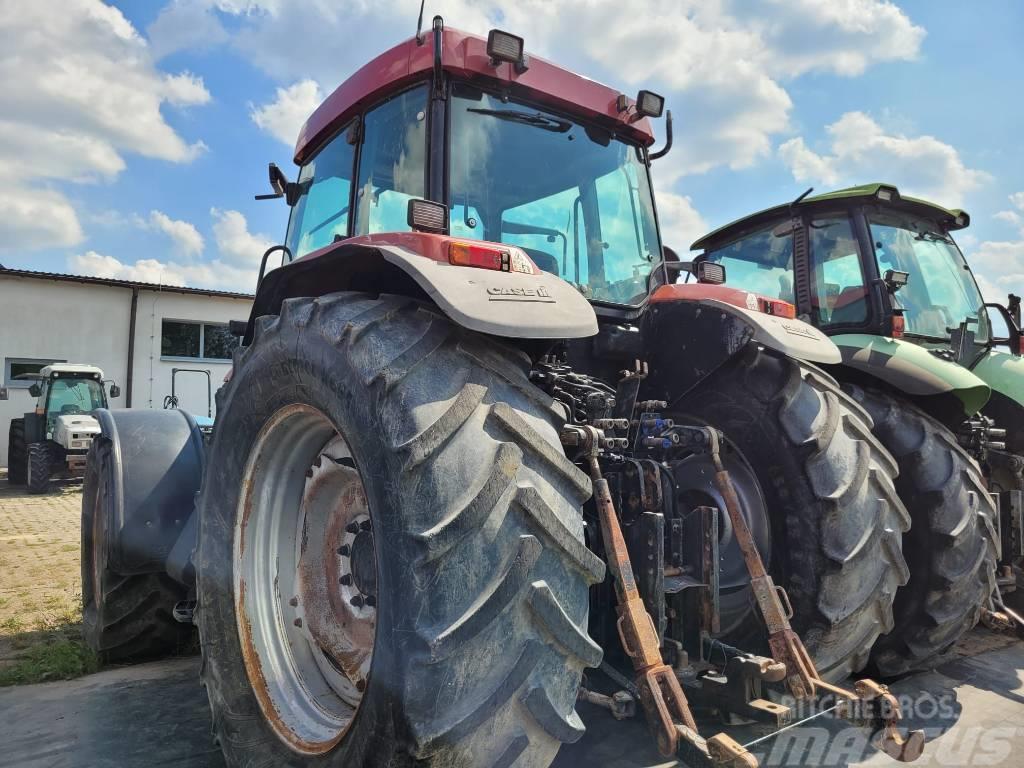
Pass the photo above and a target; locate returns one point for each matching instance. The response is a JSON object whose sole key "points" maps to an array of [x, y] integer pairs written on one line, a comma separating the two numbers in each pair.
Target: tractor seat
{"points": [[545, 261], [851, 305]]}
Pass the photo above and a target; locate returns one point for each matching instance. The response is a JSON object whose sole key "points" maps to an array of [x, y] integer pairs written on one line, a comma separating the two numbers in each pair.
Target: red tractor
{"points": [[476, 440]]}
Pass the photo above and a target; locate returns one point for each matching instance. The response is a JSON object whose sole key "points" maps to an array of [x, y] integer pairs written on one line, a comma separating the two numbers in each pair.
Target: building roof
{"points": [[110, 282], [952, 218], [465, 56]]}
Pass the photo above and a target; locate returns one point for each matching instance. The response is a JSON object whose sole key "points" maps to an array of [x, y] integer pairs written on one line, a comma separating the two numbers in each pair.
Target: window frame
{"points": [[202, 339], [808, 219], [358, 123], [11, 383], [603, 307]]}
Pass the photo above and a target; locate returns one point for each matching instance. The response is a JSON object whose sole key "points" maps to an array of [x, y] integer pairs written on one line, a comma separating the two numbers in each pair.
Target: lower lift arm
{"points": [[661, 696]]}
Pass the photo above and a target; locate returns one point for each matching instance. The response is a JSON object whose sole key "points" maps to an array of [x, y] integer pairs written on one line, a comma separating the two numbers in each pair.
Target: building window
{"points": [[196, 341], [16, 366]]}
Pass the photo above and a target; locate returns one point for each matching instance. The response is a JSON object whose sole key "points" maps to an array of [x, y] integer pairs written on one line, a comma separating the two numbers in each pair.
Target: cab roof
{"points": [[950, 218], [75, 369], [465, 56]]}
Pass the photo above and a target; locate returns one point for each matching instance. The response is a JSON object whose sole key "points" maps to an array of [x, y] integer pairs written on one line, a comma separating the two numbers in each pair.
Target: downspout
{"points": [[131, 350]]}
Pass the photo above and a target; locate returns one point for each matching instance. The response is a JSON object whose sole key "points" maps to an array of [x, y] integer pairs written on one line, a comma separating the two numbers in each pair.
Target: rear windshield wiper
{"points": [[934, 236], [536, 119]]}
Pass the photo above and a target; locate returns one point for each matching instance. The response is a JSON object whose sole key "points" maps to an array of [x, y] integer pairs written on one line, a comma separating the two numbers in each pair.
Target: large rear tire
{"points": [[951, 546], [17, 456], [836, 519], [124, 618], [481, 587]]}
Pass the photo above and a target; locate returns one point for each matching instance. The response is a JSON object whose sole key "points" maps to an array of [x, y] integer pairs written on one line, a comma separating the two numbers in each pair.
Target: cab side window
{"points": [[321, 213], [392, 163], [840, 294], [761, 262]]}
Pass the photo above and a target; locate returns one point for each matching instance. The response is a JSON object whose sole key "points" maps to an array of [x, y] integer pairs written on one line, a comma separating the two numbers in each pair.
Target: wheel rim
{"points": [[695, 487], [305, 579]]}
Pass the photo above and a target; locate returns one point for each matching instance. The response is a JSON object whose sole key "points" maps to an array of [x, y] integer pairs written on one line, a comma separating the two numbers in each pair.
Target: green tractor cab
{"points": [[881, 274]]}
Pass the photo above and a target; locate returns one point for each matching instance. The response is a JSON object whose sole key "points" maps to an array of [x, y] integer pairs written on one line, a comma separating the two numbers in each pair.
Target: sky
{"points": [[134, 134]]}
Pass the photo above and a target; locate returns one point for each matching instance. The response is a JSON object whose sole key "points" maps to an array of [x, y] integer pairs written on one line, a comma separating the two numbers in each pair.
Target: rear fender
{"points": [[693, 339], [156, 470], [1005, 374], [509, 304], [791, 337], [911, 369]]}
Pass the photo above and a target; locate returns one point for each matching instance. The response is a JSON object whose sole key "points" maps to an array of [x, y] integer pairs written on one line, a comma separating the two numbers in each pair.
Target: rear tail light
{"points": [[777, 307], [509, 259], [899, 326]]}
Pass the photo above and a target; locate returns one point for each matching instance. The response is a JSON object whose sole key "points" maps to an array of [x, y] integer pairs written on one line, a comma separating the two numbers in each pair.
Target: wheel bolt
{"points": [[352, 527], [365, 525], [360, 685], [344, 550], [297, 622], [357, 601], [371, 601], [293, 602], [345, 580]]}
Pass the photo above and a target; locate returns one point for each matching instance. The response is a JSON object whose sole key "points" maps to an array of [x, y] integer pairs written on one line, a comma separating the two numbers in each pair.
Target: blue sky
{"points": [[134, 134]]}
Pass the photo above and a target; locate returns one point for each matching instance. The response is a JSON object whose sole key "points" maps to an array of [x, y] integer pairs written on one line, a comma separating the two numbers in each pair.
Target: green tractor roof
{"points": [[883, 194]]}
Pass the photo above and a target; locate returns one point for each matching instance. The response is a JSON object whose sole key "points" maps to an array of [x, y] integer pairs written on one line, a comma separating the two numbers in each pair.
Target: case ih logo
{"points": [[507, 293]]}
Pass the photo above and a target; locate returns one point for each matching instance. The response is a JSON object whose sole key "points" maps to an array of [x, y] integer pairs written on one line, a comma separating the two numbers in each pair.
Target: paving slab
{"points": [[156, 715]]}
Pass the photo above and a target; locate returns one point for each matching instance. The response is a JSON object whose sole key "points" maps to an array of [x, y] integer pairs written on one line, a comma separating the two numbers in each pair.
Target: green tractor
{"points": [[881, 275]]}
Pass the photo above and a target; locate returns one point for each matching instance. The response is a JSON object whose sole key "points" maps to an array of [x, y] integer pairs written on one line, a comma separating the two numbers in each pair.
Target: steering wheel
{"points": [[70, 408]]}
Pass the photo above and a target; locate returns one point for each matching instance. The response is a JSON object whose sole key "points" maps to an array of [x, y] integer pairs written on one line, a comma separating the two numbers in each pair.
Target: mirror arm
{"points": [[668, 138]]}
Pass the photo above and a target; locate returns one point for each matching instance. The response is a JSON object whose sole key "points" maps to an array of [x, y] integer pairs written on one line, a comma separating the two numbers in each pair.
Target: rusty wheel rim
{"points": [[305, 579]]}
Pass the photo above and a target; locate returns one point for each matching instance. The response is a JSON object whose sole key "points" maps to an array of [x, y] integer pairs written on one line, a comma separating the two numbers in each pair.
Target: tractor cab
{"points": [[880, 273], [70, 391]]}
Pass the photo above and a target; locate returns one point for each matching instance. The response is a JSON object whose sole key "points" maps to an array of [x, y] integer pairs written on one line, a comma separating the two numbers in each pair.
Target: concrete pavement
{"points": [[156, 715]]}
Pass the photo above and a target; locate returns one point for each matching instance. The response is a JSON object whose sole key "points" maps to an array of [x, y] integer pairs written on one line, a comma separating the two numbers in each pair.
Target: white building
{"points": [[136, 332]]}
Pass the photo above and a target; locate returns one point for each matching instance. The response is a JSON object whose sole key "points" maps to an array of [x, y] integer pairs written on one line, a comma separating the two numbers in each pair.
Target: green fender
{"points": [[1004, 373], [910, 368]]}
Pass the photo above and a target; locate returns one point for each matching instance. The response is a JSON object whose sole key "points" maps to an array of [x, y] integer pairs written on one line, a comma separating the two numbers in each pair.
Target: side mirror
{"points": [[1015, 339], [3, 393], [894, 279], [115, 391], [35, 390]]}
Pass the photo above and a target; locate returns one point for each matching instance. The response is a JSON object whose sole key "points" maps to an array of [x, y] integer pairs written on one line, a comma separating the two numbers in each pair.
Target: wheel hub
{"points": [[305, 579]]}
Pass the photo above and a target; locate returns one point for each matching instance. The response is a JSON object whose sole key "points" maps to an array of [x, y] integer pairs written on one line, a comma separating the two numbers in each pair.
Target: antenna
{"points": [[419, 24]]}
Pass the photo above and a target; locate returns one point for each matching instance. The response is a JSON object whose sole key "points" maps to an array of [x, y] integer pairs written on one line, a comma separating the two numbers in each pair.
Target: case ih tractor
{"points": [[54, 439], [476, 441], [881, 275]]}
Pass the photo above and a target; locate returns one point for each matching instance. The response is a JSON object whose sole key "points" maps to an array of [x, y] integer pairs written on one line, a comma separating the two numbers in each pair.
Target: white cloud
{"points": [[37, 218], [79, 90], [215, 275], [1014, 218], [841, 37], [186, 238], [283, 117], [999, 267], [681, 223], [234, 241], [723, 63], [861, 151]]}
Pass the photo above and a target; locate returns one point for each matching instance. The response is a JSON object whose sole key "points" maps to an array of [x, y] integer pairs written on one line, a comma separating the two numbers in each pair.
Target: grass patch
{"points": [[61, 660]]}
